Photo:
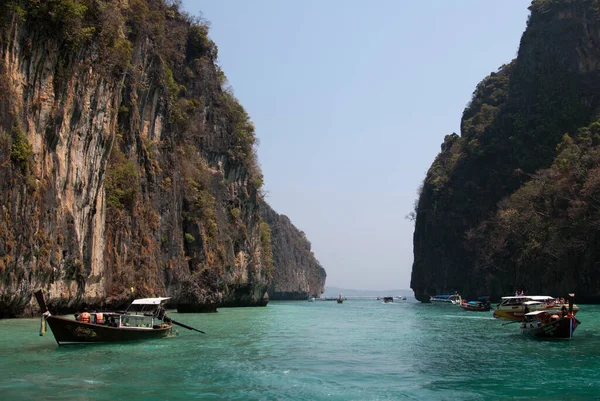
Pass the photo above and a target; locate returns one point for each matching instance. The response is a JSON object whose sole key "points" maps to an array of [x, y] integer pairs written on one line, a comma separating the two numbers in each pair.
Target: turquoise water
{"points": [[358, 350]]}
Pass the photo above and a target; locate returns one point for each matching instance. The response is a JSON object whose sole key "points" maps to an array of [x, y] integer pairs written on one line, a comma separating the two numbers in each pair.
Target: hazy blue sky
{"points": [[351, 101]]}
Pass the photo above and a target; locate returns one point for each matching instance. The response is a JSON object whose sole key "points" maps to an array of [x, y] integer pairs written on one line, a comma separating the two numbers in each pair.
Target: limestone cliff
{"points": [[298, 274], [127, 169], [511, 202]]}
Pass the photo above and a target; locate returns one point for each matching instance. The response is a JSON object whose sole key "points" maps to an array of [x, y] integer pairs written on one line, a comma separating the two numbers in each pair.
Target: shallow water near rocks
{"points": [[362, 349]]}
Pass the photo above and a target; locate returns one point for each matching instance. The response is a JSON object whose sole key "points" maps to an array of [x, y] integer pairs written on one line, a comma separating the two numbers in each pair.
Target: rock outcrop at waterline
{"points": [[298, 274], [127, 169], [513, 202]]}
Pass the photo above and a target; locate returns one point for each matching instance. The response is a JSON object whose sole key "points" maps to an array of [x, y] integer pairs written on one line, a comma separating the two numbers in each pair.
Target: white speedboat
{"points": [[453, 299]]}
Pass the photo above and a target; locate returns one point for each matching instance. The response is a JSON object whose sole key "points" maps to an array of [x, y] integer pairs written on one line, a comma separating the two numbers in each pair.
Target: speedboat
{"points": [[550, 323], [453, 299], [144, 319], [387, 300], [515, 308]]}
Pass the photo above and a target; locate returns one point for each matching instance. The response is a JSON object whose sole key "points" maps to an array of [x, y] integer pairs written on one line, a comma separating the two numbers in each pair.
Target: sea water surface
{"points": [[362, 349]]}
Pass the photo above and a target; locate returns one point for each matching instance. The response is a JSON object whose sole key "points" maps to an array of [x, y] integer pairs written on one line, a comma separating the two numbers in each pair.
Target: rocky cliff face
{"points": [[501, 204], [298, 274], [126, 169]]}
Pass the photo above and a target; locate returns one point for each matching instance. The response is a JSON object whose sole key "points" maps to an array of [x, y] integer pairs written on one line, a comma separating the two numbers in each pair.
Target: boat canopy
{"points": [[149, 301], [531, 297], [533, 303], [539, 312], [444, 295]]}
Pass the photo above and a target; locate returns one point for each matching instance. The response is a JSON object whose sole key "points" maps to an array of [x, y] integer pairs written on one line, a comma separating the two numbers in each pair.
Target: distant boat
{"points": [[311, 299], [453, 299], [401, 297], [340, 299], [481, 305], [388, 299]]}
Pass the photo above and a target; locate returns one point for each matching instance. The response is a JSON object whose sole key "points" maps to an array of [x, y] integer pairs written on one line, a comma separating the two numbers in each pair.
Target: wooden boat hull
{"points": [[475, 309], [68, 331], [557, 329]]}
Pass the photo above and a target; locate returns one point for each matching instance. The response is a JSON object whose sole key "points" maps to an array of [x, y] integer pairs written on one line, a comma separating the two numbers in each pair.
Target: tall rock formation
{"points": [[297, 272], [126, 169], [512, 202]]}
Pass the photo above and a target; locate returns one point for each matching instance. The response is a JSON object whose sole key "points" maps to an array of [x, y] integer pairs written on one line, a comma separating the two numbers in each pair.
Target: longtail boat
{"points": [[550, 323], [144, 319], [481, 305]]}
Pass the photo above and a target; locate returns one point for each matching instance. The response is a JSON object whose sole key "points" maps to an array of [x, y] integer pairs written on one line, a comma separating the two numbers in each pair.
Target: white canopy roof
{"points": [[149, 301], [539, 312], [531, 297]]}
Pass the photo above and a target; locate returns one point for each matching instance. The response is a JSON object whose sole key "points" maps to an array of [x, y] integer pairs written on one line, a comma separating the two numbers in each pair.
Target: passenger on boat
{"points": [[99, 318], [563, 310], [84, 317]]}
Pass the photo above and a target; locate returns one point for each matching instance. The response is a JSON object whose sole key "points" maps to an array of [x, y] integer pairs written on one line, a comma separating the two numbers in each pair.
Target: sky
{"points": [[351, 101]]}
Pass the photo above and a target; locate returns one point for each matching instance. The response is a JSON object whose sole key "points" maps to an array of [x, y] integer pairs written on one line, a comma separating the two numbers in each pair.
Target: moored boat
{"points": [[144, 319], [453, 299], [481, 305], [387, 300], [340, 299], [515, 308], [550, 323]]}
